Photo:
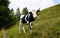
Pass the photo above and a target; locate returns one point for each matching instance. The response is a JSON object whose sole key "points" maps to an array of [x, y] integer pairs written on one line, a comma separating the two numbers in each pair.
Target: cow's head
{"points": [[34, 13], [37, 11]]}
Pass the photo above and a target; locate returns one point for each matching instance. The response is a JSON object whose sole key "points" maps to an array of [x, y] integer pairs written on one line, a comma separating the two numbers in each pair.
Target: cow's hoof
{"points": [[30, 31]]}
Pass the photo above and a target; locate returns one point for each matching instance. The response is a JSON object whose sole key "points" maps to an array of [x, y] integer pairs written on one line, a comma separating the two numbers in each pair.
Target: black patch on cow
{"points": [[30, 18], [23, 20]]}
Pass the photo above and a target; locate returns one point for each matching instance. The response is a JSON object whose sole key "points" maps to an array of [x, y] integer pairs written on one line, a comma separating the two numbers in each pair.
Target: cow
{"points": [[28, 18]]}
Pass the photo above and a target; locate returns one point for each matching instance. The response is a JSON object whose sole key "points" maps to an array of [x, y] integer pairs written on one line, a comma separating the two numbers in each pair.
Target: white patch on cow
{"points": [[34, 13], [25, 18], [21, 17]]}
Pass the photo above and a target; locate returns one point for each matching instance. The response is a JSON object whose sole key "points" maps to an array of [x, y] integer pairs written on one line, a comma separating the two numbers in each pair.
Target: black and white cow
{"points": [[29, 18]]}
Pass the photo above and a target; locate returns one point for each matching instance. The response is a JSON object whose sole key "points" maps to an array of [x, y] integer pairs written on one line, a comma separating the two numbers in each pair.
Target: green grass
{"points": [[47, 25]]}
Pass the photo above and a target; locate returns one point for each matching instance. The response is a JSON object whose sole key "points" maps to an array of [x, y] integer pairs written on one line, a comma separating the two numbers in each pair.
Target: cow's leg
{"points": [[23, 29], [27, 22], [30, 26], [20, 26]]}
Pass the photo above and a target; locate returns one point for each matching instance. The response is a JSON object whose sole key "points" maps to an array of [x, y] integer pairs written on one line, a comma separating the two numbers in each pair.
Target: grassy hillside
{"points": [[47, 25]]}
